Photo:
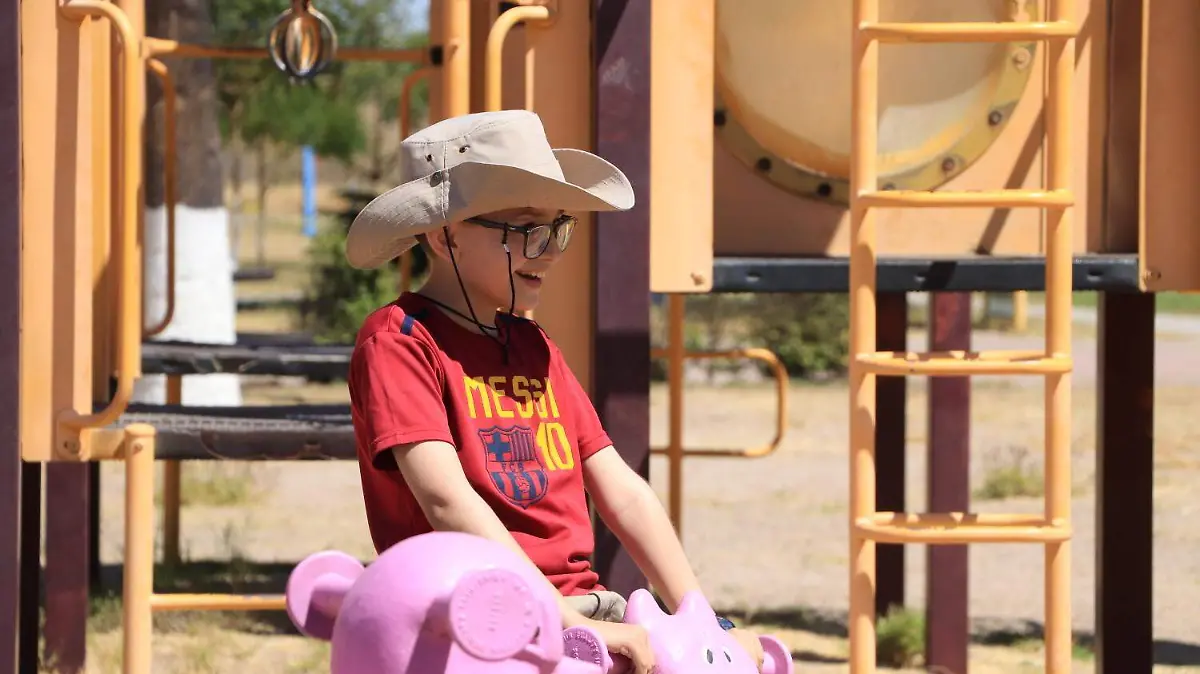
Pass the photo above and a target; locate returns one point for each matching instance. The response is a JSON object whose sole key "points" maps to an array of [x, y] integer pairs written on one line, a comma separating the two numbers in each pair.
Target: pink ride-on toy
{"points": [[690, 641], [451, 603], [439, 603]]}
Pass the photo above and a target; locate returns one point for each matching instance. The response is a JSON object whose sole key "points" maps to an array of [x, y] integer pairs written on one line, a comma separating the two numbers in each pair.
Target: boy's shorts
{"points": [[604, 605]]}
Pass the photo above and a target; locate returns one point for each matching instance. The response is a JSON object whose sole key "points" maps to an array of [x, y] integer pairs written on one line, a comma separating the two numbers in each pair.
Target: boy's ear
{"points": [[440, 241]]}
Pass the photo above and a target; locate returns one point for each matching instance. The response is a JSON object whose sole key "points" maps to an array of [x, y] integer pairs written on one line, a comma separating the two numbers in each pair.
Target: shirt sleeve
{"points": [[590, 436], [396, 398]]}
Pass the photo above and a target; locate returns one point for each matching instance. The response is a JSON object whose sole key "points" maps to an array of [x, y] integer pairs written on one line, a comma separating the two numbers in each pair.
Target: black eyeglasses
{"points": [[537, 237]]}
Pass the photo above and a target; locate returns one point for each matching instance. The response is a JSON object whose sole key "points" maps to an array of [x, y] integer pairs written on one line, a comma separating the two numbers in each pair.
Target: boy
{"points": [[466, 416]]}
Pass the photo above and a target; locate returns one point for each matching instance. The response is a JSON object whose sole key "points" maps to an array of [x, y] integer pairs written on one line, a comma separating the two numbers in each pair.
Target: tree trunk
{"points": [[205, 307]]}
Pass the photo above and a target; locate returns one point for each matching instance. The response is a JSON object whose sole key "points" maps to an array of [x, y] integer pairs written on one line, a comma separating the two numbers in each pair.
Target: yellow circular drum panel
{"points": [[783, 71]]}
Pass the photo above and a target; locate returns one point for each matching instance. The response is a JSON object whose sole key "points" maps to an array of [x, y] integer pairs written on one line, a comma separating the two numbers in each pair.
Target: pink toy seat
{"points": [[440, 603]]}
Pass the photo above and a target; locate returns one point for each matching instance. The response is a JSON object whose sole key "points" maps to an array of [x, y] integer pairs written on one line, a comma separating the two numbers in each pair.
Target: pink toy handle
{"points": [[777, 658], [494, 615], [583, 644], [316, 588]]}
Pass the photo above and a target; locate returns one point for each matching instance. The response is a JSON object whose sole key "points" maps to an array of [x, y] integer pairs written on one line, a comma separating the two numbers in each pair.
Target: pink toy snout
{"points": [[440, 603]]}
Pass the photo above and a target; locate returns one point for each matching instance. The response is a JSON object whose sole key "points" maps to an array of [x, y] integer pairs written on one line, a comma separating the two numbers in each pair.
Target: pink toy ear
{"points": [[642, 609], [694, 603], [494, 616], [316, 588], [777, 659]]}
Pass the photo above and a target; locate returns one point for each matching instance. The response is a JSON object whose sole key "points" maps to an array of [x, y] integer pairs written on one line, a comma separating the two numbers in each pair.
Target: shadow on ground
{"points": [[245, 577], [985, 631]]}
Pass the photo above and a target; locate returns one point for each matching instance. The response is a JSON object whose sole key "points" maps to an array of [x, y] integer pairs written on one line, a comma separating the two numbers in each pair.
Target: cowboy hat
{"points": [[474, 164]]}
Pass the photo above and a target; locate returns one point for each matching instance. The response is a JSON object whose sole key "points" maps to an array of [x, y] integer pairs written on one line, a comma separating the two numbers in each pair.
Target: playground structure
{"points": [[679, 117]]}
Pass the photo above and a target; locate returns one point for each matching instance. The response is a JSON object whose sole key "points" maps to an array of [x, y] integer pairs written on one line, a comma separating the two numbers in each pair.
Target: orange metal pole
{"points": [[156, 46], [778, 371], [128, 251], [139, 548], [675, 359], [1060, 59], [864, 148], [495, 48], [172, 484], [169, 172], [456, 57]]}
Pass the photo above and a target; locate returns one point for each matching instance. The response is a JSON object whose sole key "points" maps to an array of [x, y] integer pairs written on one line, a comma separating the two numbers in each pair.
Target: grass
{"points": [[1167, 303], [215, 483], [1011, 474]]}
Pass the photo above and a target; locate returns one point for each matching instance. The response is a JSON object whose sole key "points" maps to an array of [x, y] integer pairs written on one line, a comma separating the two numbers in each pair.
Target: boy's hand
{"points": [[629, 641], [749, 641]]}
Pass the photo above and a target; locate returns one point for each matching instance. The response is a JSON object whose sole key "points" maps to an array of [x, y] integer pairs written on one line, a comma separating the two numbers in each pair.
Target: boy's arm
{"points": [[433, 473], [629, 506]]}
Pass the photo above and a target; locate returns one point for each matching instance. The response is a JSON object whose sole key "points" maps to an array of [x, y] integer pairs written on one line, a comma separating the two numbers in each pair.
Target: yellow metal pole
{"points": [[864, 147], [494, 66], [675, 359], [456, 55], [172, 484], [1061, 66], [128, 251], [156, 46], [169, 172], [139, 548]]}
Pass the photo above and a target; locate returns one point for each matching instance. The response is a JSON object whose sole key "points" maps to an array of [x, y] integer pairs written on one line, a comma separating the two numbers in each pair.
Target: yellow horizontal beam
{"points": [[960, 528], [975, 31], [963, 363], [979, 198]]}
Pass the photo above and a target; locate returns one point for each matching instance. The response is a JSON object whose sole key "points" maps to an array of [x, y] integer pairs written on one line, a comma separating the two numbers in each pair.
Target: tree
{"points": [[205, 308]]}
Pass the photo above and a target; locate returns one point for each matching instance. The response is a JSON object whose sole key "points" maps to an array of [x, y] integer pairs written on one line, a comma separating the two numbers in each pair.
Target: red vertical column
{"points": [[948, 618]]}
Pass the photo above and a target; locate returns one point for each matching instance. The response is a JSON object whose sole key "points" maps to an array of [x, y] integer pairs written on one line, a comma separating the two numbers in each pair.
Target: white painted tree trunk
{"points": [[205, 303]]}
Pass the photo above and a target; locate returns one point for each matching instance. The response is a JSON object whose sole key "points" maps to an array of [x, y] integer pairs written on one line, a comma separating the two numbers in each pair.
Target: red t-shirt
{"points": [[523, 428]]}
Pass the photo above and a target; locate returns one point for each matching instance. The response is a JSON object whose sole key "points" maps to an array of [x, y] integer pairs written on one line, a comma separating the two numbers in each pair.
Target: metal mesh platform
{"points": [[267, 433], [312, 361]]}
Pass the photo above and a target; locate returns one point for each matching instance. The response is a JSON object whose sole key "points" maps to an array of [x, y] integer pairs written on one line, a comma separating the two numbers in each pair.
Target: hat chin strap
{"points": [[512, 295]]}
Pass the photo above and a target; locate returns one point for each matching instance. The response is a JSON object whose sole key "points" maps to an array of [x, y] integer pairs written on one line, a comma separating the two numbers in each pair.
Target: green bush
{"points": [[341, 297], [809, 332], [900, 638]]}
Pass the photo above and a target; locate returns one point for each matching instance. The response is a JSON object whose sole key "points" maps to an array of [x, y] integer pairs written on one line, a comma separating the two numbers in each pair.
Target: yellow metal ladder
{"points": [[868, 527]]}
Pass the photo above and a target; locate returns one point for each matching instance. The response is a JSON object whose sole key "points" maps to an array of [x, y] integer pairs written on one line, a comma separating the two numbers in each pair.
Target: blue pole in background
{"points": [[308, 177]]}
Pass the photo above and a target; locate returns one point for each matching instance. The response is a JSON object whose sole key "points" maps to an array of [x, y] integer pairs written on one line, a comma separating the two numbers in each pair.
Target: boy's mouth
{"points": [[530, 277]]}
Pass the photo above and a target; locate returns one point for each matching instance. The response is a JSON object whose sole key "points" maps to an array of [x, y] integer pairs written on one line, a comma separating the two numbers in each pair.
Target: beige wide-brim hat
{"points": [[474, 164]]}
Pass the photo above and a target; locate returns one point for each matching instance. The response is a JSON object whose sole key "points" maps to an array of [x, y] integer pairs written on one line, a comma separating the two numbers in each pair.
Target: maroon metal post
{"points": [[891, 328], [1125, 484], [68, 562], [947, 612], [621, 378], [20, 483]]}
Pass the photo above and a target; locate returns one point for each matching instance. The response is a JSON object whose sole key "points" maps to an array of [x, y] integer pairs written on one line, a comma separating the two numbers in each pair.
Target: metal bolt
{"points": [[949, 164], [763, 164], [995, 117], [1021, 59], [719, 118]]}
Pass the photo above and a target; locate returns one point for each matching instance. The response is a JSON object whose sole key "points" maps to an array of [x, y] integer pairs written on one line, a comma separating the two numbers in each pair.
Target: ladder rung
{"points": [[1000, 31], [960, 528], [988, 198], [218, 602], [963, 363]]}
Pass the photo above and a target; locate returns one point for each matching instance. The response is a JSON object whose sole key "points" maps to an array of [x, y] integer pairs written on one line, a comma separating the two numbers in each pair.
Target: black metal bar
{"points": [[948, 618], [891, 327], [621, 284], [1125, 484], [992, 274], [67, 565]]}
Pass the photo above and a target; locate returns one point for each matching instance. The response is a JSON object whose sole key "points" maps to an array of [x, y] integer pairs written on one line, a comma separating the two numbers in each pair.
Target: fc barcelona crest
{"points": [[513, 462]]}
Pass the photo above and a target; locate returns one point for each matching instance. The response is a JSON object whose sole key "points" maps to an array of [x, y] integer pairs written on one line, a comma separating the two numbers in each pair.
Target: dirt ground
{"points": [[768, 536]]}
